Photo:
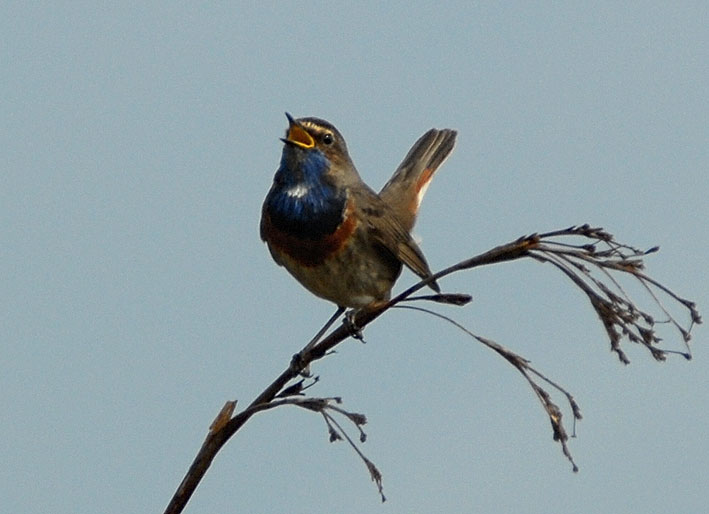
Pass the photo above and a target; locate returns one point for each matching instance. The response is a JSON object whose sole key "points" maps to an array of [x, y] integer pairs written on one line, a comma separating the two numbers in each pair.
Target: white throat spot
{"points": [[298, 191]]}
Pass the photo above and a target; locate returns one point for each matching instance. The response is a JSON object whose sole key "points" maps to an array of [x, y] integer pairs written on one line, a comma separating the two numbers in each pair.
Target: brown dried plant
{"points": [[590, 257]]}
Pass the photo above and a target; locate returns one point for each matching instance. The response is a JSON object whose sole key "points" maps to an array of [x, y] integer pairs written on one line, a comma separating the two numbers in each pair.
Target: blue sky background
{"points": [[138, 141]]}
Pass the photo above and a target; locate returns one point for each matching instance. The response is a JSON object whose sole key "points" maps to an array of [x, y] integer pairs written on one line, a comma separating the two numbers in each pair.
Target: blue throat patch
{"points": [[300, 203]]}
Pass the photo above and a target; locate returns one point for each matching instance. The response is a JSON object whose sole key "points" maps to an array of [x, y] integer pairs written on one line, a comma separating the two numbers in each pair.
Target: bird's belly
{"points": [[357, 275]]}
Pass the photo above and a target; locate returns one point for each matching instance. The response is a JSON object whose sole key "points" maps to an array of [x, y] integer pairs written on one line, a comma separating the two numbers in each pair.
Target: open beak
{"points": [[297, 135]]}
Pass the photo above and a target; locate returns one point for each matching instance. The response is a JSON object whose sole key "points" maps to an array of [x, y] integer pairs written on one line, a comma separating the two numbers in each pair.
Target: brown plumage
{"points": [[331, 231]]}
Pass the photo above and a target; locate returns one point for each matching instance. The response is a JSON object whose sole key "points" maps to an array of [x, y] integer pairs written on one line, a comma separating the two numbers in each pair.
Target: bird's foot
{"points": [[298, 365], [352, 327]]}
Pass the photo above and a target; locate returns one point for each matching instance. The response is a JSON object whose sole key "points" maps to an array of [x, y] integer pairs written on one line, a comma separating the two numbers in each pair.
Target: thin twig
{"points": [[523, 366]]}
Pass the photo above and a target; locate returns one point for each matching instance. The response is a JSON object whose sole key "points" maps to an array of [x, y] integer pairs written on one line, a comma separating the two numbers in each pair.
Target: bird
{"points": [[334, 234]]}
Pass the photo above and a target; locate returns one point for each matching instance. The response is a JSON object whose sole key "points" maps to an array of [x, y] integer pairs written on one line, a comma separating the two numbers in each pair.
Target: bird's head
{"points": [[315, 143]]}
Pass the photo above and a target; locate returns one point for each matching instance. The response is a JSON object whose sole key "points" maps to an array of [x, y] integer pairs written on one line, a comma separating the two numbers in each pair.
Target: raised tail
{"points": [[405, 189]]}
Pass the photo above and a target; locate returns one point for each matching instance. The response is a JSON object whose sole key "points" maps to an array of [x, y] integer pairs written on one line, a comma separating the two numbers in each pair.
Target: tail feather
{"points": [[406, 188]]}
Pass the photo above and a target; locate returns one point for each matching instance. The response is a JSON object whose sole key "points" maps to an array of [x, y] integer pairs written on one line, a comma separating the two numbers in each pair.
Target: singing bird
{"points": [[340, 239]]}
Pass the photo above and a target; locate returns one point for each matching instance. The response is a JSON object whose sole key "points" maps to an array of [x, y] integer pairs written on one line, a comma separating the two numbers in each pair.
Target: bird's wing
{"points": [[386, 230]]}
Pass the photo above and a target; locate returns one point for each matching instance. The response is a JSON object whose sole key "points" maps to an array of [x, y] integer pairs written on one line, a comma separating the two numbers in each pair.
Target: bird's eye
{"points": [[328, 139]]}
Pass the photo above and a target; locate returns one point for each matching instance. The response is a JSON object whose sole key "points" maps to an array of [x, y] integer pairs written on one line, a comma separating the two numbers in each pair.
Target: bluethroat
{"points": [[340, 239]]}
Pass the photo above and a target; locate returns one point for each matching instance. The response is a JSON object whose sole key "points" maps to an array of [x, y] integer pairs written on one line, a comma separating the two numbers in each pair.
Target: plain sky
{"points": [[138, 141]]}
